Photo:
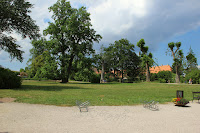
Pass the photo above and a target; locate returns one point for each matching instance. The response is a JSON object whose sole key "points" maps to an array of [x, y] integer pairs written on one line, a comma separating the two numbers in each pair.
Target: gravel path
{"points": [[29, 118]]}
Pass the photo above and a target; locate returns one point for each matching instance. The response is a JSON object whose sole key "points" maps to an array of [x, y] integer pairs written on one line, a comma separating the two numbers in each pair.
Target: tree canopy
{"points": [[121, 56], [72, 33], [14, 17]]}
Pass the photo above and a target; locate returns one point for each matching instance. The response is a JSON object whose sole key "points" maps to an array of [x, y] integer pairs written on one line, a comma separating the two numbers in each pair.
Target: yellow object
{"points": [[174, 100]]}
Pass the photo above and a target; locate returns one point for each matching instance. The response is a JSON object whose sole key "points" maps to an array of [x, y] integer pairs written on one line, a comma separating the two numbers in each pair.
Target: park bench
{"points": [[152, 105], [82, 105], [196, 95]]}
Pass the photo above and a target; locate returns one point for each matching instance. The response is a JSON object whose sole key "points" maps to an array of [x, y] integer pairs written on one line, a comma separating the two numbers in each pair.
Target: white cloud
{"points": [[155, 21], [113, 18]]}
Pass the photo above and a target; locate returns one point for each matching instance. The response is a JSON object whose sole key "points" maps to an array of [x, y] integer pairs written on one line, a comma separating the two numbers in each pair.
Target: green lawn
{"points": [[54, 93]]}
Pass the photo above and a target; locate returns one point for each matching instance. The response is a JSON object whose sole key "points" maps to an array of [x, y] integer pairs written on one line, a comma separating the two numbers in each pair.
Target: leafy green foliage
{"points": [[166, 76], [154, 76], [9, 79], [82, 68], [72, 32], [42, 64], [194, 75], [191, 61], [121, 56], [183, 101], [95, 78], [14, 17]]}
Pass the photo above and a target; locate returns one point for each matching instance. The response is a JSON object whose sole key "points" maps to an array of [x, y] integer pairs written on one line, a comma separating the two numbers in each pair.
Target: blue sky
{"points": [[158, 22]]}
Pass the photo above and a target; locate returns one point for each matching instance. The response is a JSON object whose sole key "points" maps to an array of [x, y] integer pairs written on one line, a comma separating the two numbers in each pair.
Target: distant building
{"points": [[154, 69], [157, 69], [23, 74], [117, 72]]}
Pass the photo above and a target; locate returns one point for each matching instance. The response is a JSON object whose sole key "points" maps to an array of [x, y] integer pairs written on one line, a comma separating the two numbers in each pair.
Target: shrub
{"points": [[165, 75], [16, 73], [194, 75], [95, 78], [154, 76], [162, 80], [9, 79]]}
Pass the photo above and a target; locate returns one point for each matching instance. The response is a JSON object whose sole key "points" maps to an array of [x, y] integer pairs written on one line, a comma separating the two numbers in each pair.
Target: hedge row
{"points": [[9, 79]]}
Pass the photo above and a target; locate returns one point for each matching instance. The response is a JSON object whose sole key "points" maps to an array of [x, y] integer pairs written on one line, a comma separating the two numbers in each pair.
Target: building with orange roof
{"points": [[157, 69], [154, 69]]}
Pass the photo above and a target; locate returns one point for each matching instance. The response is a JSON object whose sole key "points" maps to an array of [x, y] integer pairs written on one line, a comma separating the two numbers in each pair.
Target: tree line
{"points": [[69, 53]]}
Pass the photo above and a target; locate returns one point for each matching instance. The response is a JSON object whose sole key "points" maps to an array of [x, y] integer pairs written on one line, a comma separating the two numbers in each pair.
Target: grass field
{"points": [[54, 93]]}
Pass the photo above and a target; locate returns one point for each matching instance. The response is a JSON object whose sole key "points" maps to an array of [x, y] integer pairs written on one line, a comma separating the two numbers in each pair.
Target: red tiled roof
{"points": [[157, 69]]}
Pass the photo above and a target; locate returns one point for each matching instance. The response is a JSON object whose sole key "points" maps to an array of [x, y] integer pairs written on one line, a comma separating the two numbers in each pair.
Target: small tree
{"points": [[42, 63], [194, 75], [191, 61]]}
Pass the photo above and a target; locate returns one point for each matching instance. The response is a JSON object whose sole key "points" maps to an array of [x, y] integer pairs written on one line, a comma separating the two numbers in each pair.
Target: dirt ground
{"points": [[7, 100], [31, 118]]}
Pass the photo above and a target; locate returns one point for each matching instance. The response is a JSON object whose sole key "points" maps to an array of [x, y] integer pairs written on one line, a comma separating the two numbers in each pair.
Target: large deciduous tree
{"points": [[146, 57], [177, 55], [14, 17], [122, 56], [72, 31]]}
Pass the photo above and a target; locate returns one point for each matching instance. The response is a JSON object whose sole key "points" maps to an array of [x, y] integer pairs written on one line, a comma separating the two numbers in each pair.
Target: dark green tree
{"points": [[82, 68], [50, 67], [122, 56], [165, 75], [14, 17], [72, 31], [177, 57], [191, 61], [146, 58], [111, 60], [132, 65]]}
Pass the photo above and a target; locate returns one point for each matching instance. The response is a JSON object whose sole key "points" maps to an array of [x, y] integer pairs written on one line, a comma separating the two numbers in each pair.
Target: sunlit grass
{"points": [[54, 93]]}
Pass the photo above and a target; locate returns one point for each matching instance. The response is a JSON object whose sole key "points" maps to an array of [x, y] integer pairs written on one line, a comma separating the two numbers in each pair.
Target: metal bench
{"points": [[196, 95], [152, 105], [82, 105]]}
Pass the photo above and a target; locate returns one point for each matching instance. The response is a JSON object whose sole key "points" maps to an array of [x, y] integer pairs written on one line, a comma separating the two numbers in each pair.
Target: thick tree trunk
{"points": [[63, 69], [102, 72], [177, 75], [147, 73], [69, 67]]}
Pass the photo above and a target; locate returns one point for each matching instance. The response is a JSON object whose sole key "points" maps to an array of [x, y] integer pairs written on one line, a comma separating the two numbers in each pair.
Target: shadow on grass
{"points": [[108, 83], [47, 88]]}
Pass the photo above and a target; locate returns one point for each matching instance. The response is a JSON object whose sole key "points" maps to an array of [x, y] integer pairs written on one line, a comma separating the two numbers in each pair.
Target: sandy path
{"points": [[27, 118]]}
